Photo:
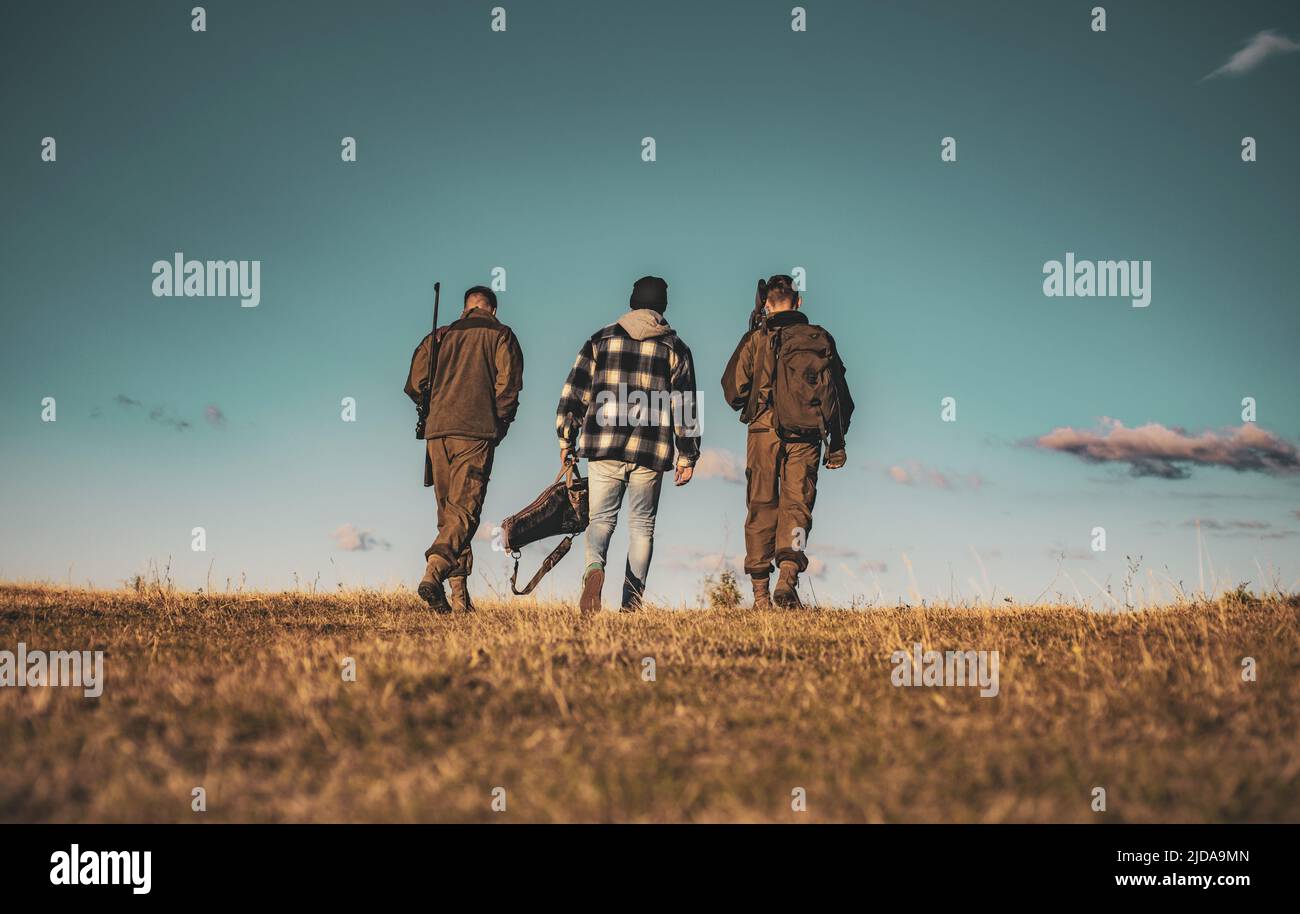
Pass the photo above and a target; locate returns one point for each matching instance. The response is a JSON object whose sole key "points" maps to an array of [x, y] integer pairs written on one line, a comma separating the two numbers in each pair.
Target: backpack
{"points": [[805, 400]]}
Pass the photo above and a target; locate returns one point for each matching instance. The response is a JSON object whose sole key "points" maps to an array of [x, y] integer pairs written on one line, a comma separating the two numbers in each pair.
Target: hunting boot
{"points": [[592, 584], [786, 594], [761, 600], [460, 600], [430, 590]]}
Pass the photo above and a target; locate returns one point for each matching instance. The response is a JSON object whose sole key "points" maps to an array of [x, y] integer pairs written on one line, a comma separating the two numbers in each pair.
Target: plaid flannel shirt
{"points": [[631, 400]]}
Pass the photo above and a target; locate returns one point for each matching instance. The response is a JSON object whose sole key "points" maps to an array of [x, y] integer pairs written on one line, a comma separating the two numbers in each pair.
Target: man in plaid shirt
{"points": [[629, 402]]}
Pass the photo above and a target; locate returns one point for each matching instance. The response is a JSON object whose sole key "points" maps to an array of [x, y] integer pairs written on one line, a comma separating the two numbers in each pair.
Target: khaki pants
{"points": [[460, 468], [781, 487]]}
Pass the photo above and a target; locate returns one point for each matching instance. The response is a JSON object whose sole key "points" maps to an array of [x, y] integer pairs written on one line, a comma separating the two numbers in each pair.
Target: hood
{"points": [[644, 323]]}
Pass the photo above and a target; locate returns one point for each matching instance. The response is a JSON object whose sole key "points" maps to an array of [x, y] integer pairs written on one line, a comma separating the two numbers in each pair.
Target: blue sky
{"points": [[774, 150]]}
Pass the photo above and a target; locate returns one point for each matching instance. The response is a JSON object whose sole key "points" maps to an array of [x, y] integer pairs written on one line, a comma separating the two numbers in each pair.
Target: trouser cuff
{"points": [[797, 557]]}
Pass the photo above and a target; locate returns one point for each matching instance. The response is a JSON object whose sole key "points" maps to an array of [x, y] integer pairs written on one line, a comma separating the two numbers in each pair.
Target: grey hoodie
{"points": [[644, 323]]}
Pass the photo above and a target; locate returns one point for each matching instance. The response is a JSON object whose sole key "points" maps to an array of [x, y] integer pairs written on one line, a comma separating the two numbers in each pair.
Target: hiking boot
{"points": [[460, 600], [786, 594], [592, 584], [761, 600], [430, 589], [432, 593]]}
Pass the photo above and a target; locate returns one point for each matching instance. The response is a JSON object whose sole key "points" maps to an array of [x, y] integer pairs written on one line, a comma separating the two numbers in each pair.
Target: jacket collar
{"points": [[478, 311], [785, 319]]}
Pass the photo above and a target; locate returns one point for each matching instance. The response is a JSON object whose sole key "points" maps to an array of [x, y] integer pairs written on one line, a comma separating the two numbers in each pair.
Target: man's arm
{"points": [[843, 409], [575, 397], [842, 395], [509, 382], [738, 377], [686, 420], [418, 371]]}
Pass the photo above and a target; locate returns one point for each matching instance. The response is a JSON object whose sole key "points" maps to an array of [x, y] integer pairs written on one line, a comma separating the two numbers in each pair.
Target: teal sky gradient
{"points": [[522, 149]]}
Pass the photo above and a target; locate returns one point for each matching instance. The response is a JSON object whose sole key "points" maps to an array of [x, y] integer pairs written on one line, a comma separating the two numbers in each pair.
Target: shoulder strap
{"points": [[559, 552]]}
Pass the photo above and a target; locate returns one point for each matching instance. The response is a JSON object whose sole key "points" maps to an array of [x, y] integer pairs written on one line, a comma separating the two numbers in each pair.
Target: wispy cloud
{"points": [[157, 414], [819, 554], [216, 418], [1265, 44], [1210, 523], [1167, 453], [834, 551], [698, 561], [715, 463], [915, 473], [704, 562], [350, 539], [1249, 528], [1059, 551]]}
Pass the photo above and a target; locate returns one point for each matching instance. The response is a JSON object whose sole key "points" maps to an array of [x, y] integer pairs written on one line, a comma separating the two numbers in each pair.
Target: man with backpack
{"points": [[628, 402], [787, 381], [478, 373]]}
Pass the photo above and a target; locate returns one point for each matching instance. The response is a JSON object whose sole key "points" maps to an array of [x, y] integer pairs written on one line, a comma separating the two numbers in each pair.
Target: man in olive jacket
{"points": [[781, 464], [478, 374]]}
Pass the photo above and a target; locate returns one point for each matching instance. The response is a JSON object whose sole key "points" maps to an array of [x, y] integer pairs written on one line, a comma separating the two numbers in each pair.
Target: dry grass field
{"points": [[244, 695]]}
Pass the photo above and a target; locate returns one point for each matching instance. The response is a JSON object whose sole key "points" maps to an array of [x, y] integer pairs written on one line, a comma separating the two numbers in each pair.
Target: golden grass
{"points": [[243, 695]]}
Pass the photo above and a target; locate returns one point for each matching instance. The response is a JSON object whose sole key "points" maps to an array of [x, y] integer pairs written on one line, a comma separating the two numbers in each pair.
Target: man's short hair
{"points": [[780, 290], [481, 292]]}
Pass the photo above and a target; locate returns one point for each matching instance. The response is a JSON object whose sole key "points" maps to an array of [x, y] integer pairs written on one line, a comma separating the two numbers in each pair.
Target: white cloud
{"points": [[715, 463], [1262, 46], [915, 473], [1169, 452], [700, 562], [350, 539]]}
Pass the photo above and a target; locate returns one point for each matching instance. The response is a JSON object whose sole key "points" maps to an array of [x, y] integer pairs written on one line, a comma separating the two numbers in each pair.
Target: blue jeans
{"points": [[607, 480]]}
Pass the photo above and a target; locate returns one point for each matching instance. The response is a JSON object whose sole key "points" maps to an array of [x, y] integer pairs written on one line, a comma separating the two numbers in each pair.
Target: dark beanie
{"points": [[649, 292]]}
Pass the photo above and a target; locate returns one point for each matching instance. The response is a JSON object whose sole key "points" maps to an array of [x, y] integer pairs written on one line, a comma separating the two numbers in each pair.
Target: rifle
{"points": [[426, 387], [759, 313]]}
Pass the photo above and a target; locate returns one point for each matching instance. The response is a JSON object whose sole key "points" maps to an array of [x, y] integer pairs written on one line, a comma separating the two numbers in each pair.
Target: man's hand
{"points": [[566, 456], [836, 459], [683, 475]]}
